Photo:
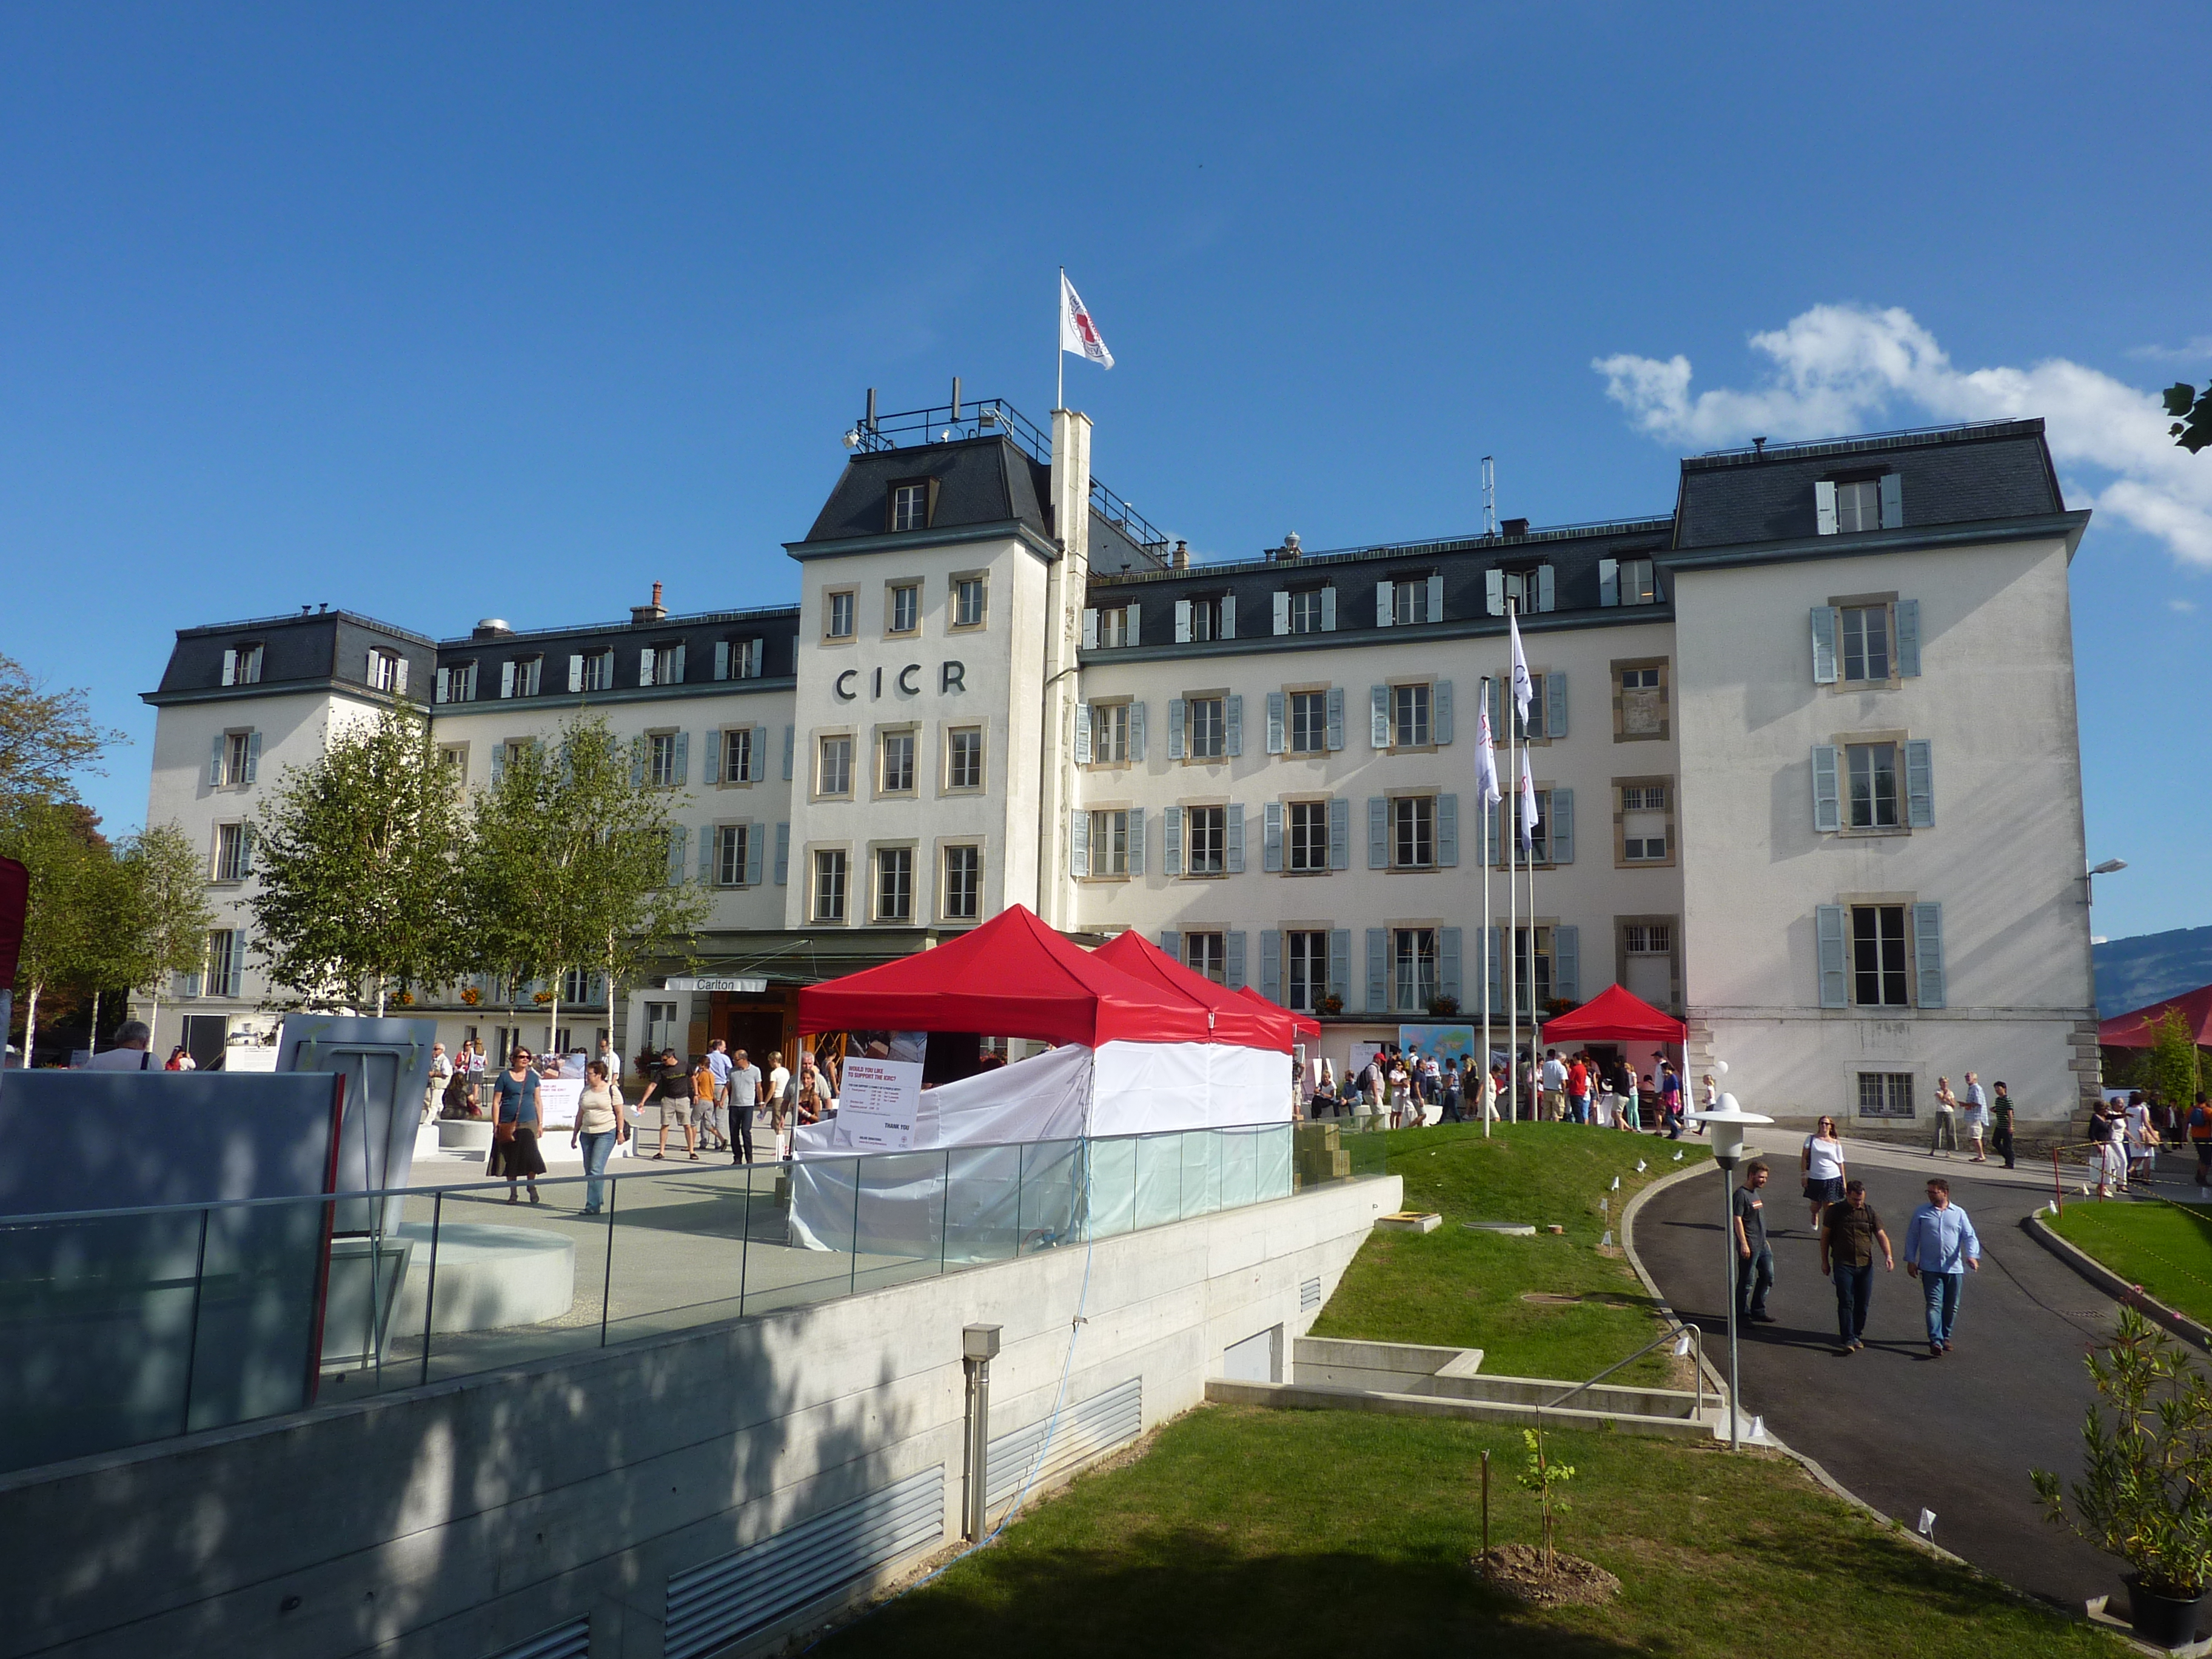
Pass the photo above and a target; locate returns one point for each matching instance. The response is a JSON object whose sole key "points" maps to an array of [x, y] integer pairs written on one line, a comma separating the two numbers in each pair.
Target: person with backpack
{"points": [[672, 1085], [2200, 1138]]}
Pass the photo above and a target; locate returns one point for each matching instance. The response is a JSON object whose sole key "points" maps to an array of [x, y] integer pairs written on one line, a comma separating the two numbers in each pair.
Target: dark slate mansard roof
{"points": [[303, 651]]}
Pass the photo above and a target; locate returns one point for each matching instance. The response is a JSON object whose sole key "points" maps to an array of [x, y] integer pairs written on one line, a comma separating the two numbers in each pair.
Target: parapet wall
{"points": [[802, 1447]]}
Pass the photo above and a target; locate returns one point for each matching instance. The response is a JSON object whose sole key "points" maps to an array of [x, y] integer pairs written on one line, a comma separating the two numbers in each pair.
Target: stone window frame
{"points": [[892, 585], [1674, 924], [1620, 733], [1840, 603], [1842, 743], [1621, 859]]}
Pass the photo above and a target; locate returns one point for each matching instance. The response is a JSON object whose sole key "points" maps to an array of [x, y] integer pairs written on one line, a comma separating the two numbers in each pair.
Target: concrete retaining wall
{"points": [[460, 1519]]}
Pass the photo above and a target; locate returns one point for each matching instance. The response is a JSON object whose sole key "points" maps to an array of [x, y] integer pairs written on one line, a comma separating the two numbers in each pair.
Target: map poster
{"points": [[876, 1102], [1442, 1043]]}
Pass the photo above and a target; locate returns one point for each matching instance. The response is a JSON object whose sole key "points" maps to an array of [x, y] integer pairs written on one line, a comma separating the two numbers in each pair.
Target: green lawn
{"points": [[1245, 1531], [2165, 1248], [1462, 1289]]}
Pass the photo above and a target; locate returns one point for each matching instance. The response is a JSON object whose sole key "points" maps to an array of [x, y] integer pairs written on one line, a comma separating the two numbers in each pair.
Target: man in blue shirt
{"points": [[1940, 1249]]}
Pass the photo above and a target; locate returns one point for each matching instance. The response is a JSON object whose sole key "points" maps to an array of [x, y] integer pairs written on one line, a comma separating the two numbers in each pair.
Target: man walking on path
{"points": [[2001, 1126], [1940, 1249], [1670, 1098], [1553, 1082], [1849, 1233], [1754, 1259], [1977, 1117], [744, 1091]]}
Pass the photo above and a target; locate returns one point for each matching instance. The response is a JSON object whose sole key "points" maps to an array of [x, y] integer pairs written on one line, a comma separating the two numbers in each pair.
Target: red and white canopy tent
{"points": [[1301, 1025], [2138, 1027], [1614, 1015]]}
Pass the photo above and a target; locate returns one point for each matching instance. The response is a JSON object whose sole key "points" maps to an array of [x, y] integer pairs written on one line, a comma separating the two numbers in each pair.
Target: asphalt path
{"points": [[1902, 1429]]}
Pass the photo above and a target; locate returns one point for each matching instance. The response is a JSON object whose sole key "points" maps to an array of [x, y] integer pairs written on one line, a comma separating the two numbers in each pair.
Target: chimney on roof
{"points": [[1290, 551], [640, 615], [1180, 561], [1758, 448], [1513, 527]]}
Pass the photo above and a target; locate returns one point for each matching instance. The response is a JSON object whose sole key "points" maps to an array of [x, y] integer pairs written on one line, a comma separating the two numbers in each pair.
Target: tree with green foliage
{"points": [[570, 866], [359, 856], [167, 908], [46, 737], [2171, 1067], [2192, 412], [71, 863]]}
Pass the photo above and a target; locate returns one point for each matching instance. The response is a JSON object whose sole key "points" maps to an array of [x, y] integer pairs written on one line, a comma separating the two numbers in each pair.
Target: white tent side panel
{"points": [[1146, 1088]]}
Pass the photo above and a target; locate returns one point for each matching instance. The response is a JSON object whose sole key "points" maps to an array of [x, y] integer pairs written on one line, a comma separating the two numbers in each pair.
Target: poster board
{"points": [[877, 1101], [1442, 1043]]}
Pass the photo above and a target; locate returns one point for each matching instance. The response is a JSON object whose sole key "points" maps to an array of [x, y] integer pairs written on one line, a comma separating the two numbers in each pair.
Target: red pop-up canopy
{"points": [[2138, 1028], [1013, 977], [1301, 1025], [1614, 1015], [1234, 1019]]}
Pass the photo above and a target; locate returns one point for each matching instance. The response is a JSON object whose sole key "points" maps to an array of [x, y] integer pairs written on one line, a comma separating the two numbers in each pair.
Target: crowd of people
{"points": [[1397, 1087]]}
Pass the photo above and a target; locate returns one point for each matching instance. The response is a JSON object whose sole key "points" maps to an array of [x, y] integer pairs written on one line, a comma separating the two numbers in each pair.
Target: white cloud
{"points": [[1837, 369], [2184, 607], [2189, 351]]}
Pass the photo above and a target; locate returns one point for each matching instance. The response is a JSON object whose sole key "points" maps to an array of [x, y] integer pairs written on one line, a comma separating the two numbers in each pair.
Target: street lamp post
{"points": [[1727, 1122]]}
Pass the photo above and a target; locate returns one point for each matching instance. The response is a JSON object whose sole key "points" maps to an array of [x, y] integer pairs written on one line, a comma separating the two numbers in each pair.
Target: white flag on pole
{"points": [[1486, 758], [1524, 689], [1078, 333], [1528, 819]]}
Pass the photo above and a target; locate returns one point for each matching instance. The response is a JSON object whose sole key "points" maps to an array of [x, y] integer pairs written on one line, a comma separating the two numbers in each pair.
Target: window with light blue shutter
{"points": [[790, 742], [1563, 826], [678, 844], [1908, 636], [1828, 938], [1082, 733], [782, 854], [1609, 582], [1893, 502], [1435, 596], [1448, 964], [1340, 834], [1385, 604], [1271, 837], [1928, 953], [215, 760], [1274, 722], [1171, 828], [1271, 965], [1329, 609], [1171, 943], [1233, 708], [1567, 963], [1235, 825], [1555, 704], [1447, 831], [1175, 717], [1136, 840], [1136, 727], [1919, 784], [1335, 718], [1378, 717], [1378, 970], [1378, 833], [1824, 644], [1827, 789], [752, 855], [1340, 964], [1183, 621], [252, 755], [1233, 958], [1441, 715], [499, 767], [707, 870], [710, 761], [1078, 841], [683, 758]]}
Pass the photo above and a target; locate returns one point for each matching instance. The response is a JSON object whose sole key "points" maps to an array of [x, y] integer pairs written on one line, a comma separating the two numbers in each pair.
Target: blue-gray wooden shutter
{"points": [[1228, 616], [1383, 609], [1378, 970], [1609, 582], [1083, 734], [1136, 840], [252, 755], [756, 756], [1908, 639], [1493, 592], [676, 668], [1175, 716], [215, 758], [1441, 715], [1183, 621], [1495, 960], [1233, 958], [1136, 728], [506, 677], [1378, 717], [499, 767], [1335, 718], [1827, 798], [1271, 964], [644, 668], [1378, 833], [1136, 618], [1078, 841], [1555, 704], [1824, 507], [636, 763], [1282, 611], [1828, 932], [1089, 628], [1329, 609], [782, 854], [1447, 968], [1546, 590], [710, 760], [678, 843], [1893, 501], [1567, 963], [1496, 698], [575, 672], [1447, 831], [1275, 723], [790, 742], [709, 865], [1233, 708], [752, 855], [1235, 816], [1928, 953], [1171, 942], [683, 759], [245, 839], [1340, 964], [1271, 837], [1919, 783], [1491, 847], [721, 664], [1435, 596], [1171, 829], [1562, 826], [1824, 644], [1339, 833]]}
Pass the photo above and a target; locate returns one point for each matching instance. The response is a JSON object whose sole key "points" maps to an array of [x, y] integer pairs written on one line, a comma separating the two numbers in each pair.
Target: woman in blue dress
{"points": [[516, 1126]]}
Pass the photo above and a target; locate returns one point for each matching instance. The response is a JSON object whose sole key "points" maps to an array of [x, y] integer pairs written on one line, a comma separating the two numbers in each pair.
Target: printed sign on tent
{"points": [[880, 1095]]}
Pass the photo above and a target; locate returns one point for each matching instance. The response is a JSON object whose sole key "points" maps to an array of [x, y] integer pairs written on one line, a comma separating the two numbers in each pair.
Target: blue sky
{"points": [[442, 313]]}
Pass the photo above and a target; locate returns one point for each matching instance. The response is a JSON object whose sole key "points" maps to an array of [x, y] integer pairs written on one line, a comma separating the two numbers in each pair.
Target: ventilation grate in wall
{"points": [[570, 1641], [1309, 1296], [1097, 1425], [719, 1600]]}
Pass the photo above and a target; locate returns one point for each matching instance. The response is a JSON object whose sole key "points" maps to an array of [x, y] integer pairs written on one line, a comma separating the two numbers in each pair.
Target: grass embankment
{"points": [[1332, 1533], [2165, 1248], [1466, 1289]]}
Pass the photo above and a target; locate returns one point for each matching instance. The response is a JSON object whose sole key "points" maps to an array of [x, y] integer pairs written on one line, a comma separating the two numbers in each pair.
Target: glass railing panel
{"points": [[983, 1205], [1202, 1173], [376, 1329], [1052, 1193], [901, 1219], [1159, 1180], [1272, 1174], [677, 1243], [1110, 1204], [511, 1281], [1240, 1166]]}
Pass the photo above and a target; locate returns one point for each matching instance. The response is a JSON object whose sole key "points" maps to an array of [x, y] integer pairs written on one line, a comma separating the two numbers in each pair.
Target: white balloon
{"points": [[1720, 1069]]}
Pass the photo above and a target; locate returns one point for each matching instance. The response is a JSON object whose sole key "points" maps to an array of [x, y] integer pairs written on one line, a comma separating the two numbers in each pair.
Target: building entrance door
{"points": [[758, 1031], [204, 1036]]}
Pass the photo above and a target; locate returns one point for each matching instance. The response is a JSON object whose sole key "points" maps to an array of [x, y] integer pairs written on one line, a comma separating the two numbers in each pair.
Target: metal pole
{"points": [[192, 1342], [1060, 348], [1728, 1237], [1482, 1094], [1506, 810], [430, 1290], [1486, 1505]]}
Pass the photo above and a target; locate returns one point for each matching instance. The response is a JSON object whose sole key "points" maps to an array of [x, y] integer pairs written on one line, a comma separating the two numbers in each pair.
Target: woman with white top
{"points": [[1822, 1161], [599, 1126], [1401, 1086]]}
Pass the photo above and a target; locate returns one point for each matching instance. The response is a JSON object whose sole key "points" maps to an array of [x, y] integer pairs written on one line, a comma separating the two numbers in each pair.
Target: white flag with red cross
{"points": [[1078, 333]]}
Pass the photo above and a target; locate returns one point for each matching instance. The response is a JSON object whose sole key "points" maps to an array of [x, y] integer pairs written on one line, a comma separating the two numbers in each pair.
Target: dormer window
{"points": [[660, 665], [1844, 507], [521, 677], [1213, 617], [387, 670], [241, 665], [910, 505], [457, 682]]}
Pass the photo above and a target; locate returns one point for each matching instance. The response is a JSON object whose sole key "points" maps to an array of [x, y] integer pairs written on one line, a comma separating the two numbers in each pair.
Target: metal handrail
{"points": [[1680, 1327]]}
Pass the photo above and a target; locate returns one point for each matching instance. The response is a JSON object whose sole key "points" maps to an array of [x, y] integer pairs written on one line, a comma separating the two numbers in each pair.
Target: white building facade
{"points": [[1804, 747]]}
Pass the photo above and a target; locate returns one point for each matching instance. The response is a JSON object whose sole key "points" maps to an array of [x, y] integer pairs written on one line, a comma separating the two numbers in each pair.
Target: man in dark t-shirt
{"points": [[1850, 1233], [1755, 1260], [672, 1087]]}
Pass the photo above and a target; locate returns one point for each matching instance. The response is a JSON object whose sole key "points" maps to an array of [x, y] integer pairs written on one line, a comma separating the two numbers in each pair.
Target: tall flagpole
{"points": [[1508, 808], [1060, 355], [1483, 1094]]}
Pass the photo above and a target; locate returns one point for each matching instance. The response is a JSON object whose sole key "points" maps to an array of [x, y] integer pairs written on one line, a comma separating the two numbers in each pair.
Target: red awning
{"points": [[2138, 1028], [1301, 1025], [1234, 1019], [1013, 977], [1614, 1015], [14, 911]]}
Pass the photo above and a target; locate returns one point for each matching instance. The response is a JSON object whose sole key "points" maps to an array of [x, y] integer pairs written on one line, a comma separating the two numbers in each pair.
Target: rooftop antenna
{"points": [[871, 408], [1489, 496], [955, 400]]}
